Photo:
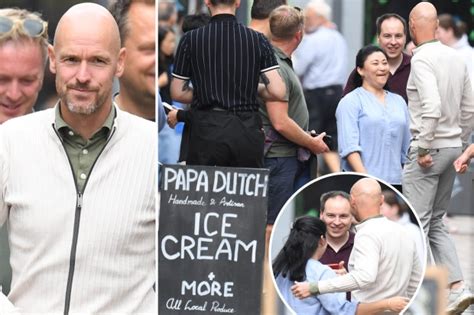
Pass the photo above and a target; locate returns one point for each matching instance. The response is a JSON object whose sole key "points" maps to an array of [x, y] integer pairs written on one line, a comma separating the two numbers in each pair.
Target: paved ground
{"points": [[462, 229], [462, 232]]}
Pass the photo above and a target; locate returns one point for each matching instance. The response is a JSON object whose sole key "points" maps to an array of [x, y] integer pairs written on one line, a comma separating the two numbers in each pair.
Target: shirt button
{"points": [[85, 151], [83, 176], [71, 133]]}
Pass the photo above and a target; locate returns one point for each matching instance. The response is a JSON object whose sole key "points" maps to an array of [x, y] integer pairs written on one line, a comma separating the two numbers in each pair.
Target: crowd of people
{"points": [[275, 94], [270, 95]]}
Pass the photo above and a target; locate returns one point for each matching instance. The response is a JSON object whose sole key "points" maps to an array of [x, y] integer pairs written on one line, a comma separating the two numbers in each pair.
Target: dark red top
{"points": [[397, 83], [331, 257]]}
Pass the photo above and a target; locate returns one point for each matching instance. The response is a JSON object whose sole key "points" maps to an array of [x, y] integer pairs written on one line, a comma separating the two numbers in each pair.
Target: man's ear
{"points": [[52, 58], [121, 62]]}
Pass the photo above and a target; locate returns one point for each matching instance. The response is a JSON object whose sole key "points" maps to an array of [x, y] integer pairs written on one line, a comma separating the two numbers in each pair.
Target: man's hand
{"points": [[425, 161], [317, 144], [462, 162], [301, 289], [172, 118], [397, 303], [341, 270]]}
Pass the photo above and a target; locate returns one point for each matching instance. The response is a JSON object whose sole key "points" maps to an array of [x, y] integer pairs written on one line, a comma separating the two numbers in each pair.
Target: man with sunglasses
{"points": [[81, 219], [23, 53]]}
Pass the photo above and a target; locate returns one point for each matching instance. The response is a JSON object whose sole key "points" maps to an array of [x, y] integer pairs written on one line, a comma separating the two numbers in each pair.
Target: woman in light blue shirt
{"points": [[373, 123], [298, 260]]}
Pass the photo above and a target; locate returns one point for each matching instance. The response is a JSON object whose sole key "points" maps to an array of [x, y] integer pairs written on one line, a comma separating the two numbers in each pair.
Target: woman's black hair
{"points": [[299, 247], [361, 57], [163, 61], [162, 32]]}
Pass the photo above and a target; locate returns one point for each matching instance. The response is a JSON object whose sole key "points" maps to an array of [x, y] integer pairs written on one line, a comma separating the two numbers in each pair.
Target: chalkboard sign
{"points": [[211, 239]]}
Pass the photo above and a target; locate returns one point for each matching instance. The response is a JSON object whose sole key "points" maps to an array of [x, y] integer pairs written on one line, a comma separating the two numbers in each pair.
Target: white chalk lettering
{"points": [[173, 304], [205, 222], [202, 248], [186, 180], [190, 248], [187, 248], [239, 183], [230, 203], [190, 307], [215, 307], [163, 247], [225, 225], [252, 245], [219, 176], [186, 201], [206, 288], [206, 225], [224, 248]]}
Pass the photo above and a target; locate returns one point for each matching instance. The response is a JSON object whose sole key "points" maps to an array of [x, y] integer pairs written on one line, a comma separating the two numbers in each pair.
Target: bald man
{"points": [[77, 185], [441, 108], [383, 262]]}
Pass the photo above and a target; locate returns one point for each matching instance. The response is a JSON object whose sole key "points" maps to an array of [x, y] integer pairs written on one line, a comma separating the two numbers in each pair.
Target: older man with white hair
{"points": [[320, 62]]}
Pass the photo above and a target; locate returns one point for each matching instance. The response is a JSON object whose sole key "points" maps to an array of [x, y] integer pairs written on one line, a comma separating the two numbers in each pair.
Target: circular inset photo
{"points": [[347, 244]]}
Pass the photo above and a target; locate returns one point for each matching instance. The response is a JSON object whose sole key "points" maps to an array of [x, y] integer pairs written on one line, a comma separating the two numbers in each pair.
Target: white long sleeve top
{"points": [[112, 269], [383, 263], [440, 98]]}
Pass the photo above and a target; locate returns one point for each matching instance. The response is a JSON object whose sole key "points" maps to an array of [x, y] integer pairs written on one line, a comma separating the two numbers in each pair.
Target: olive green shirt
{"points": [[82, 153], [297, 109]]}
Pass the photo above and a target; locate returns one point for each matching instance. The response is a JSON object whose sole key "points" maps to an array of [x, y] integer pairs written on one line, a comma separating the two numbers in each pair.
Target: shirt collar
{"points": [[60, 124], [362, 223], [281, 55], [348, 243], [417, 48], [405, 60], [223, 17]]}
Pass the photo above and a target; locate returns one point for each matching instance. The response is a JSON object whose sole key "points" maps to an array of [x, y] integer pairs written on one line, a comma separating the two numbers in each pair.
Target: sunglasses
{"points": [[29, 27]]}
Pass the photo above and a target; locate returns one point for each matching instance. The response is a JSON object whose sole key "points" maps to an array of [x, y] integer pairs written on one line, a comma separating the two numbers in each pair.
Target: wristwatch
{"points": [[313, 288], [422, 151]]}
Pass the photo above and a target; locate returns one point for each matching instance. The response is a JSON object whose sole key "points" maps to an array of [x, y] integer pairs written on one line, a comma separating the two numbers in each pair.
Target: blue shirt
{"points": [[321, 59], [161, 112], [324, 304], [379, 132]]}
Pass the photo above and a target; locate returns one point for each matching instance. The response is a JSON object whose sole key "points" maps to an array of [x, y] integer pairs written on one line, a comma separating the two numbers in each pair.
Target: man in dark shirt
{"points": [[224, 61], [391, 36], [260, 14], [336, 213]]}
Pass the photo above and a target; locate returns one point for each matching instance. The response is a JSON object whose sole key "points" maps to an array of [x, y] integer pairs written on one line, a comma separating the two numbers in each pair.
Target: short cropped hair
{"points": [[285, 22], [333, 194], [222, 2], [119, 10], [447, 21], [261, 9], [194, 21], [16, 35], [386, 16]]}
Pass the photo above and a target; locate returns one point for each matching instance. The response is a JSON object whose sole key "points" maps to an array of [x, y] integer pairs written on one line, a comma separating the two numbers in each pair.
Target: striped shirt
{"points": [[224, 60]]}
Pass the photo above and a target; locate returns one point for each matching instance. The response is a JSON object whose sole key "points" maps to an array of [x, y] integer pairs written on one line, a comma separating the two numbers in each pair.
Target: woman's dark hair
{"points": [[163, 60], [162, 32], [299, 247], [361, 57]]}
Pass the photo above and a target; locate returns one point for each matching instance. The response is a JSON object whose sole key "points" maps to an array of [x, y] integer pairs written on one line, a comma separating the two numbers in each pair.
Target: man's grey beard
{"points": [[85, 110]]}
